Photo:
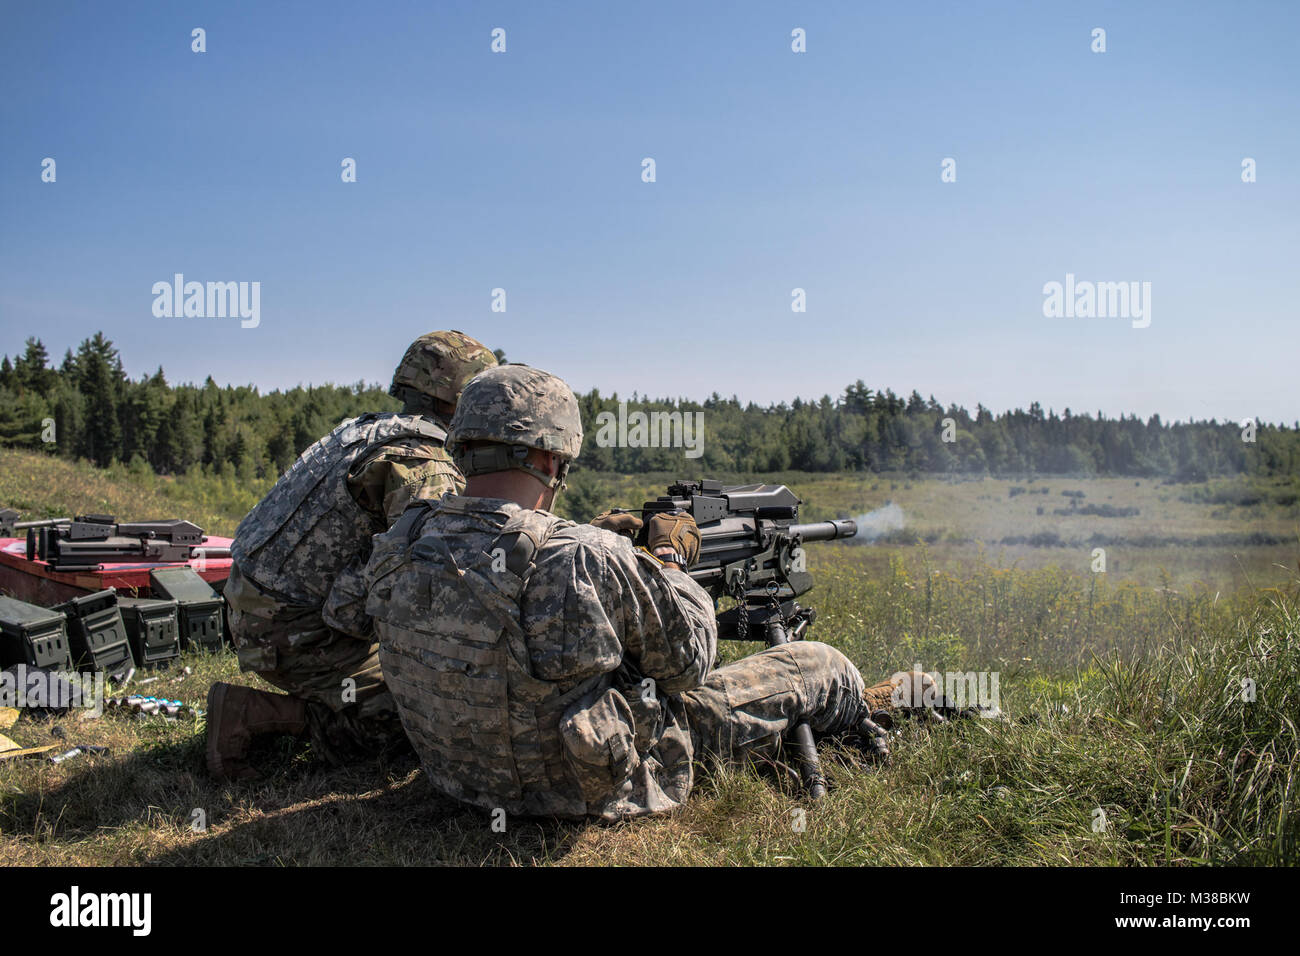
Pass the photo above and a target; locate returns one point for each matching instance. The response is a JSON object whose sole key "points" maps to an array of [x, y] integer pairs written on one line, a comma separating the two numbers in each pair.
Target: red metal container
{"points": [[34, 582]]}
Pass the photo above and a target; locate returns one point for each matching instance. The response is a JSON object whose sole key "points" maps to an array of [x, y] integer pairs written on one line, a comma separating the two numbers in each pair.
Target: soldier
{"points": [[543, 667], [296, 598]]}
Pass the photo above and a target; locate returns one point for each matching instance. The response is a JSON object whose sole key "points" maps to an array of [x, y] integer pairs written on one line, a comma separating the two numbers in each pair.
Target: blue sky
{"points": [[775, 170]]}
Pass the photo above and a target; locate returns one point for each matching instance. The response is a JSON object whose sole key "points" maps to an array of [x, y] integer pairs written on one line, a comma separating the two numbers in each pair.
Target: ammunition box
{"points": [[33, 635], [198, 606], [153, 628], [96, 634]]}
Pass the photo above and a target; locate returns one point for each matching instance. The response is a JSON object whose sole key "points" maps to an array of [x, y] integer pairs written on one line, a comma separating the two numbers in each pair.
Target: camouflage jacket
{"points": [[303, 546], [400, 472], [536, 662]]}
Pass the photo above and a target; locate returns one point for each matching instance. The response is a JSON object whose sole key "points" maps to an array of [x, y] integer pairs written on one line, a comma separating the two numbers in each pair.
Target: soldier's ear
{"points": [[547, 461]]}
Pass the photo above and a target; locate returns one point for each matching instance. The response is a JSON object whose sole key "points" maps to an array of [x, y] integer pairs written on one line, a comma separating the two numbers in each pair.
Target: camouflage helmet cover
{"points": [[518, 405], [439, 364]]}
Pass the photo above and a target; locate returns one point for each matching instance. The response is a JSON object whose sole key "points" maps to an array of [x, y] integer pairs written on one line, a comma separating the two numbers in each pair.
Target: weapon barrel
{"points": [[825, 530], [46, 523]]}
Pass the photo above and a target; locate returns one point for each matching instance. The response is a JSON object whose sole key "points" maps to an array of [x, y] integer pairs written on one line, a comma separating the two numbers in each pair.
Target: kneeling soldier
{"points": [[295, 594]]}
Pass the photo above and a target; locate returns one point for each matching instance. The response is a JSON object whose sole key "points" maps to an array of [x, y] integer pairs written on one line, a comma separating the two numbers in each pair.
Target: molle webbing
{"points": [[471, 703], [409, 521]]}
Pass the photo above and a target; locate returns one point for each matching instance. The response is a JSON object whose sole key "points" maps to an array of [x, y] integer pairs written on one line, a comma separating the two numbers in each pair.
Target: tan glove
{"points": [[912, 690], [619, 522], [676, 530]]}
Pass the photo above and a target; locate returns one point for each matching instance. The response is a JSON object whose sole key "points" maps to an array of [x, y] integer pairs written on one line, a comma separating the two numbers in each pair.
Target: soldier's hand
{"points": [[619, 522], [676, 530], [873, 737]]}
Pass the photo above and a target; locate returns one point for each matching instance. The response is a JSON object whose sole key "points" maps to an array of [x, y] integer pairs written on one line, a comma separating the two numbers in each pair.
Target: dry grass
{"points": [[43, 486], [1185, 771], [1132, 683]]}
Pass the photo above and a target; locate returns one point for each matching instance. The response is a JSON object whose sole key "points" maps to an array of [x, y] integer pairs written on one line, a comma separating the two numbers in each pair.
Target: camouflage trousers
{"points": [[351, 715], [742, 710]]}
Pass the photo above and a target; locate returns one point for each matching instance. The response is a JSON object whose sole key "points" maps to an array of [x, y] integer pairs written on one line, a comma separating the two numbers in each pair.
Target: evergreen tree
{"points": [[100, 414], [101, 434]]}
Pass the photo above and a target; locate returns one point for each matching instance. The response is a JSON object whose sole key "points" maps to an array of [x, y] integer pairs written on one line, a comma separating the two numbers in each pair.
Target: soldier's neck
{"points": [[517, 486]]}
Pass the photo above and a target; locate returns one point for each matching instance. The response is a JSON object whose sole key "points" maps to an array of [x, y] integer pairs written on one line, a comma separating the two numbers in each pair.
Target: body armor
{"points": [[489, 732], [295, 542]]}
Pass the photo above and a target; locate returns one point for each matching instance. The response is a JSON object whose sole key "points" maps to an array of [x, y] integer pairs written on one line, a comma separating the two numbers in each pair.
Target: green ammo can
{"points": [[198, 606], [33, 635], [153, 628], [96, 634]]}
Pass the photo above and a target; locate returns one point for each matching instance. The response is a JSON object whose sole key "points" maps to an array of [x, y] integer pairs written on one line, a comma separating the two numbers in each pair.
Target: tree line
{"points": [[87, 407]]}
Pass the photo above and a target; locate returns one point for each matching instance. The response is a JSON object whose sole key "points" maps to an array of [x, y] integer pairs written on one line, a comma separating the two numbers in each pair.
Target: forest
{"points": [[87, 407]]}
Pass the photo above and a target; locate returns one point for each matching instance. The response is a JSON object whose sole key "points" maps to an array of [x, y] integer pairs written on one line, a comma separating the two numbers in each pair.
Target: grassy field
{"points": [[42, 486], [1124, 689], [1225, 534]]}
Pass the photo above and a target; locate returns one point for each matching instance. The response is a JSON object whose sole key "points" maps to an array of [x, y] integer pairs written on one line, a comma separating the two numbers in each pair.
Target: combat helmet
{"points": [[438, 365], [515, 408]]}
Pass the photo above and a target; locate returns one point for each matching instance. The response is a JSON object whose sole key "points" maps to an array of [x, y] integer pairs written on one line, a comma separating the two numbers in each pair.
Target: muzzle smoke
{"points": [[874, 525]]}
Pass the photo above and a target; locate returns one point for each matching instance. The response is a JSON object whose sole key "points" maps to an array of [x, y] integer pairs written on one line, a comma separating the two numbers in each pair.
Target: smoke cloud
{"points": [[874, 525]]}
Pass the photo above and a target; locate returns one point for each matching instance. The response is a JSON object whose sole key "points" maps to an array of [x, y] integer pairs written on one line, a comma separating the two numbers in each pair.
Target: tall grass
{"points": [[1124, 699], [1143, 755]]}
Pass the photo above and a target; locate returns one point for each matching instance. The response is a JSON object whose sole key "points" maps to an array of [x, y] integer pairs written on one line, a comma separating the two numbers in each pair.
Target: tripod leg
{"points": [[810, 765], [800, 737]]}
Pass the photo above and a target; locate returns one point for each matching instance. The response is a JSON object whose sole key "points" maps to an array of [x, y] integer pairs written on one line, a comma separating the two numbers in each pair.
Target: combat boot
{"points": [[236, 715]]}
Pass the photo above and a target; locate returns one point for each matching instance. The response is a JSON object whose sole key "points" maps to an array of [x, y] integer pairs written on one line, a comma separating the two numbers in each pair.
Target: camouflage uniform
{"points": [[550, 668], [743, 710], [297, 608], [295, 595]]}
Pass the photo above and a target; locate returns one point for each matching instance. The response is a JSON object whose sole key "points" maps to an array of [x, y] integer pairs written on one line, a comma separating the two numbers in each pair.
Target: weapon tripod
{"points": [[779, 622]]}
